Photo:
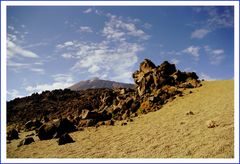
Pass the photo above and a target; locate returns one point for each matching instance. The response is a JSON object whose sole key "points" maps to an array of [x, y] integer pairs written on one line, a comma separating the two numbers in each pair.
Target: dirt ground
{"points": [[167, 133]]}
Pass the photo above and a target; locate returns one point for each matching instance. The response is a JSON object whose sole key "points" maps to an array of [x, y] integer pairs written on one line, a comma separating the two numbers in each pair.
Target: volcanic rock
{"points": [[64, 139], [26, 141], [12, 134]]}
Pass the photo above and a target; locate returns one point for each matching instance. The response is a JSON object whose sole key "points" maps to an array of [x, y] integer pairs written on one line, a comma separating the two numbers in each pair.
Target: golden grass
{"points": [[167, 133]]}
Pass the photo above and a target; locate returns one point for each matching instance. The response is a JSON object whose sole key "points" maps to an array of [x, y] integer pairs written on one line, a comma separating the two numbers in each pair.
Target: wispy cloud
{"points": [[193, 51], [216, 56], [118, 29], [206, 77], [218, 17], [35, 45], [13, 50], [147, 25], [13, 93], [85, 29], [38, 70], [17, 52], [11, 28], [60, 81], [199, 33], [175, 61], [111, 58], [89, 10]]}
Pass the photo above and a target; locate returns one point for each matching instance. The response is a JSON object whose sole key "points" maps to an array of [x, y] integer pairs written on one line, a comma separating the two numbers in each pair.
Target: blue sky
{"points": [[55, 47]]}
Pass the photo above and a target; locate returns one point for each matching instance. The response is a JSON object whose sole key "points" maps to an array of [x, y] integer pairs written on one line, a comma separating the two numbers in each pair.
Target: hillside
{"points": [[98, 83], [172, 132]]}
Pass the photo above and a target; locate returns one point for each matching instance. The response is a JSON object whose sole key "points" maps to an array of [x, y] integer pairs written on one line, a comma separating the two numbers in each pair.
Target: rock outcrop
{"points": [[59, 112]]}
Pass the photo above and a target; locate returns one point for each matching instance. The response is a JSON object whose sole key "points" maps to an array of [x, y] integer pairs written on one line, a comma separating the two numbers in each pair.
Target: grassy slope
{"points": [[168, 132]]}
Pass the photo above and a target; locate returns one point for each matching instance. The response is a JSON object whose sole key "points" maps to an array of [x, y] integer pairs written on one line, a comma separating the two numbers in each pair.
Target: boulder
{"points": [[87, 123], [26, 141], [32, 125], [12, 134], [166, 68], [64, 139], [46, 131], [134, 106], [86, 114], [147, 66], [64, 126]]}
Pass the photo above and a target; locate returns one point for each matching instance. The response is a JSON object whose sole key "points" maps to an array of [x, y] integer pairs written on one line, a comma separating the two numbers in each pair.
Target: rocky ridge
{"points": [[59, 112]]}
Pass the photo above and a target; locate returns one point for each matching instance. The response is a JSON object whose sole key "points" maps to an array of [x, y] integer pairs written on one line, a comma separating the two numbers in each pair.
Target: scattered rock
{"points": [[87, 123], [64, 126], [26, 141], [123, 123], [211, 124], [64, 139], [154, 87], [86, 114], [189, 113], [130, 120], [46, 131]]}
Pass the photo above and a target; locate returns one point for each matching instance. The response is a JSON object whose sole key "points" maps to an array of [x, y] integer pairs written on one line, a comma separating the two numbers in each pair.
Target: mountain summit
{"points": [[99, 83]]}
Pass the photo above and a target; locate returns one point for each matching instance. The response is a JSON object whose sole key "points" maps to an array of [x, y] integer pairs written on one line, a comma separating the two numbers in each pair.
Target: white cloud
{"points": [[171, 52], [66, 44], [147, 25], [93, 69], [35, 45], [17, 65], [13, 93], [11, 27], [217, 17], [89, 10], [220, 18], [13, 49], [16, 53], [119, 29], [206, 77], [23, 26], [199, 33], [175, 61], [193, 51], [60, 81], [113, 57], [63, 78], [216, 56], [218, 51], [38, 70], [67, 55], [86, 29]]}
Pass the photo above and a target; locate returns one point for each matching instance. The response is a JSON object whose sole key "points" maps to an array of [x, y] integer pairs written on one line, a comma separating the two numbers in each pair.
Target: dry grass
{"points": [[167, 133]]}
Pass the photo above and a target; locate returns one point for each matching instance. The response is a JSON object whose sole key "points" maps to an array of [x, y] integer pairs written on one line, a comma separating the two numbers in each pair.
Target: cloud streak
{"points": [[85, 29], [16, 52], [193, 51], [60, 81], [218, 17], [199, 33], [216, 56]]}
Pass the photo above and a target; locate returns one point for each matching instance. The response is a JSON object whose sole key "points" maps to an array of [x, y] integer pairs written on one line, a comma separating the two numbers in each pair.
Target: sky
{"points": [[54, 47]]}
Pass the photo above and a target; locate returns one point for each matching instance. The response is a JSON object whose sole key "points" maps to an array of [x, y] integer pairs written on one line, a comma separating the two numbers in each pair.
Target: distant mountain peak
{"points": [[95, 78], [99, 83]]}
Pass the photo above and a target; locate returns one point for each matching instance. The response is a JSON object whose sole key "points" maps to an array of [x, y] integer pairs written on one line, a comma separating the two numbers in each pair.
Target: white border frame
{"points": [[4, 5]]}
